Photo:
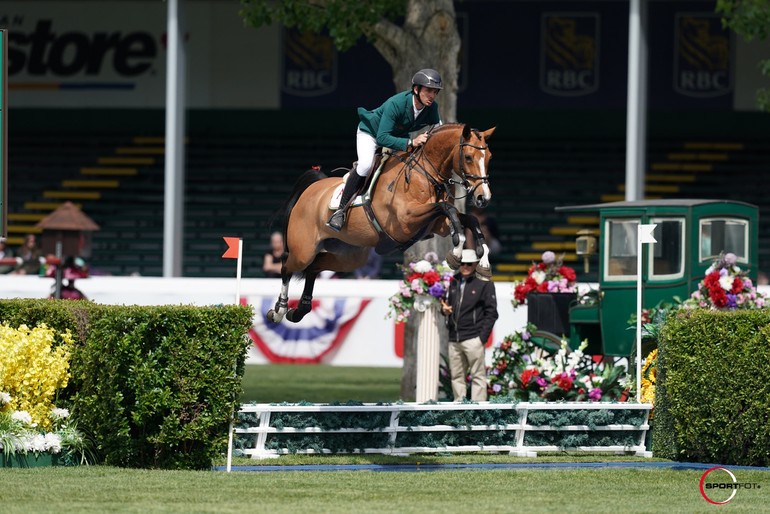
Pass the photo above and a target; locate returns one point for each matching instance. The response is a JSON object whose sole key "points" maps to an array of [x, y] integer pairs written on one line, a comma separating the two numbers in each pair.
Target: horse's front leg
{"points": [[453, 258], [306, 302], [484, 269], [277, 313]]}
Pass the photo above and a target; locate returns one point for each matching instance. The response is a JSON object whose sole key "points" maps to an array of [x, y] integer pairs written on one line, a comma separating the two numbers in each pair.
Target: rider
{"points": [[390, 125]]}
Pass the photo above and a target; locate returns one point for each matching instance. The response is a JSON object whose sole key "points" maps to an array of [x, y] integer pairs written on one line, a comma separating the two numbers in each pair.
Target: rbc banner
{"points": [[320, 332], [569, 50], [702, 56]]}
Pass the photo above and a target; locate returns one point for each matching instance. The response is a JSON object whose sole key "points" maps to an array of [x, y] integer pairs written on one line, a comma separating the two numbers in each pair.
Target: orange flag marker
{"points": [[232, 247]]}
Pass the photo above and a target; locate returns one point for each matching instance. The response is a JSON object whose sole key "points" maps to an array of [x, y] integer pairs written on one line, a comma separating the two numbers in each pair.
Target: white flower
{"points": [[538, 276], [38, 443], [4, 398], [22, 416], [53, 442], [60, 413], [422, 266], [726, 282], [548, 257]]}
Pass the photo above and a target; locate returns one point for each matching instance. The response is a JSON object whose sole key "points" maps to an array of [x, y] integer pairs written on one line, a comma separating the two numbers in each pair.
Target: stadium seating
{"points": [[235, 186]]}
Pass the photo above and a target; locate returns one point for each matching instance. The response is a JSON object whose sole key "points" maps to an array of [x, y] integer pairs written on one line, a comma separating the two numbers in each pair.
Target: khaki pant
{"points": [[468, 357]]}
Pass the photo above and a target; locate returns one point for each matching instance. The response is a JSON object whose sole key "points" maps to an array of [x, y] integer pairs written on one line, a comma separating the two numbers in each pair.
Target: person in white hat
{"points": [[471, 312]]}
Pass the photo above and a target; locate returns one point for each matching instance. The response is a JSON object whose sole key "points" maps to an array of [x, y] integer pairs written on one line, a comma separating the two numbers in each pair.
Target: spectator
{"points": [[30, 257], [5, 253], [272, 262], [471, 312], [370, 270]]}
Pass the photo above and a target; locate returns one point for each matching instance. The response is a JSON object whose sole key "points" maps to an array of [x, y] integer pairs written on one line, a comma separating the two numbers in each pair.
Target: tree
{"points": [[750, 19], [427, 37]]}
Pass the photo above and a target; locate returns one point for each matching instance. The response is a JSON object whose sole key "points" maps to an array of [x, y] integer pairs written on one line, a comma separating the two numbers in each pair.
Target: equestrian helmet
{"points": [[427, 77]]}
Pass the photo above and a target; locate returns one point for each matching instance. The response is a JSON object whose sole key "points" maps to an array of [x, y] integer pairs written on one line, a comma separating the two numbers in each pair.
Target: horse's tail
{"points": [[304, 181]]}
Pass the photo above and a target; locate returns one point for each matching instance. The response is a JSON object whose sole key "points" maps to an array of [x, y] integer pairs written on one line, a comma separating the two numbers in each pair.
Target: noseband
{"points": [[467, 177]]}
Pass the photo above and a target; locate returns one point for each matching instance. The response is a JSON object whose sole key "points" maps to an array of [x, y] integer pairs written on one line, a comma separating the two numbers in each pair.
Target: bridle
{"points": [[446, 185], [467, 177]]}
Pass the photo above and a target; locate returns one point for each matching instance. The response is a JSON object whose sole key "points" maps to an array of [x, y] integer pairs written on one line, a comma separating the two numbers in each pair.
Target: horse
{"points": [[411, 197]]}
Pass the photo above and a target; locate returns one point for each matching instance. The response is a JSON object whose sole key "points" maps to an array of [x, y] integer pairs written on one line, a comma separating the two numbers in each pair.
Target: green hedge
{"points": [[712, 401], [152, 386]]}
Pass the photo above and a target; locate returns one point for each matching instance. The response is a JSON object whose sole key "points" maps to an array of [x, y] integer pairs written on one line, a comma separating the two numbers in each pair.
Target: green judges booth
{"points": [[690, 235]]}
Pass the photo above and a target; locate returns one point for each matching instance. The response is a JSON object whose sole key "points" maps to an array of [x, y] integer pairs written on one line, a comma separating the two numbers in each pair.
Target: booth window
{"points": [[727, 235], [620, 249], [667, 258]]}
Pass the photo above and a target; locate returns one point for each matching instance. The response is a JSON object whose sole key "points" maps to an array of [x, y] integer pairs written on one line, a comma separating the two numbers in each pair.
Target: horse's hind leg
{"points": [[277, 313], [305, 303]]}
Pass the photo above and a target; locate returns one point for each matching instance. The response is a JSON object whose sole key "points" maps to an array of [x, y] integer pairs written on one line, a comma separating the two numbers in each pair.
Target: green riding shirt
{"points": [[391, 123]]}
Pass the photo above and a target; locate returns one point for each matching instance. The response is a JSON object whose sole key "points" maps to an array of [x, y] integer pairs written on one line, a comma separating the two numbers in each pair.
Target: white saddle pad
{"points": [[334, 203]]}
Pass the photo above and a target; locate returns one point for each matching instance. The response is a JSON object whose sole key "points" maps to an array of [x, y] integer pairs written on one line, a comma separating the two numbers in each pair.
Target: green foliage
{"points": [[711, 398], [152, 386], [345, 21], [750, 19]]}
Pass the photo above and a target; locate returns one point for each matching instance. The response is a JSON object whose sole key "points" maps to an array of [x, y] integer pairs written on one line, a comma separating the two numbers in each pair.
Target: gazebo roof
{"points": [[67, 217]]}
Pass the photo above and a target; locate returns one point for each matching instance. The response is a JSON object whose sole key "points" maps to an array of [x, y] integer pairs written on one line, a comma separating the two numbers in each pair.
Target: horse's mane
{"points": [[447, 126]]}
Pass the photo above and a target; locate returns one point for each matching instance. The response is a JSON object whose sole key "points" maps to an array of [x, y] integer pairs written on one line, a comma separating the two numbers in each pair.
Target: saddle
{"points": [[366, 192]]}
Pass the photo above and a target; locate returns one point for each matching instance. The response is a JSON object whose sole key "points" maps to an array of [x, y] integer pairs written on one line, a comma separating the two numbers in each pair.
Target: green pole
{"points": [[3, 133]]}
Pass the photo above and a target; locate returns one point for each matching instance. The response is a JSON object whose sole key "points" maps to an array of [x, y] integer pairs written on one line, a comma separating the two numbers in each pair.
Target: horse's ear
{"points": [[466, 132], [488, 133]]}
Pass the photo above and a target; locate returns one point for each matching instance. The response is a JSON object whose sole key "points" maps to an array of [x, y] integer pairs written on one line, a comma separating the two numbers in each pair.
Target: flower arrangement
{"points": [[725, 286], [548, 276], [519, 373], [427, 278], [34, 365]]}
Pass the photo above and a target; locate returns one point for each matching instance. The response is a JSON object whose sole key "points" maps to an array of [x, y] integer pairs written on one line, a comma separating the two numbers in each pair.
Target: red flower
{"points": [[528, 375], [413, 276], [431, 277], [737, 286], [563, 381], [568, 273], [542, 287]]}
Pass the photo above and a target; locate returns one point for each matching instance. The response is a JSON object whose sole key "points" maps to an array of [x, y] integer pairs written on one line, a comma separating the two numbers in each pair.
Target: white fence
{"points": [[395, 431]]}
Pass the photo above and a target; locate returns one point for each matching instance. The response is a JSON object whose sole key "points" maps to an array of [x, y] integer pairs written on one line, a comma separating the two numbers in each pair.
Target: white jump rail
{"points": [[264, 412]]}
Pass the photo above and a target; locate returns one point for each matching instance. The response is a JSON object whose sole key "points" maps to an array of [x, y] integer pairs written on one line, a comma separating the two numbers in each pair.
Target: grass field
{"points": [[319, 384], [612, 491]]}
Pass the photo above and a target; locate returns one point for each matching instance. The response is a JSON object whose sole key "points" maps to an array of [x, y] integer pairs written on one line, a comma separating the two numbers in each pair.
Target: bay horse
{"points": [[410, 198]]}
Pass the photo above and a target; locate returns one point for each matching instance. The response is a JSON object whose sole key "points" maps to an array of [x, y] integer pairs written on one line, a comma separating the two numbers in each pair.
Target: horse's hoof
{"points": [[295, 315], [273, 316], [484, 274], [452, 261]]}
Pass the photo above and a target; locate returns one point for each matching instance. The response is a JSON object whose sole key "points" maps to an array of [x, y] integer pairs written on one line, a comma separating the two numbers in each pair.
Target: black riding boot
{"points": [[351, 187]]}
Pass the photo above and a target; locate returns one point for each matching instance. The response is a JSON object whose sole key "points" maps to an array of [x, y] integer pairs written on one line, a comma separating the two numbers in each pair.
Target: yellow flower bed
{"points": [[649, 378], [32, 369]]}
